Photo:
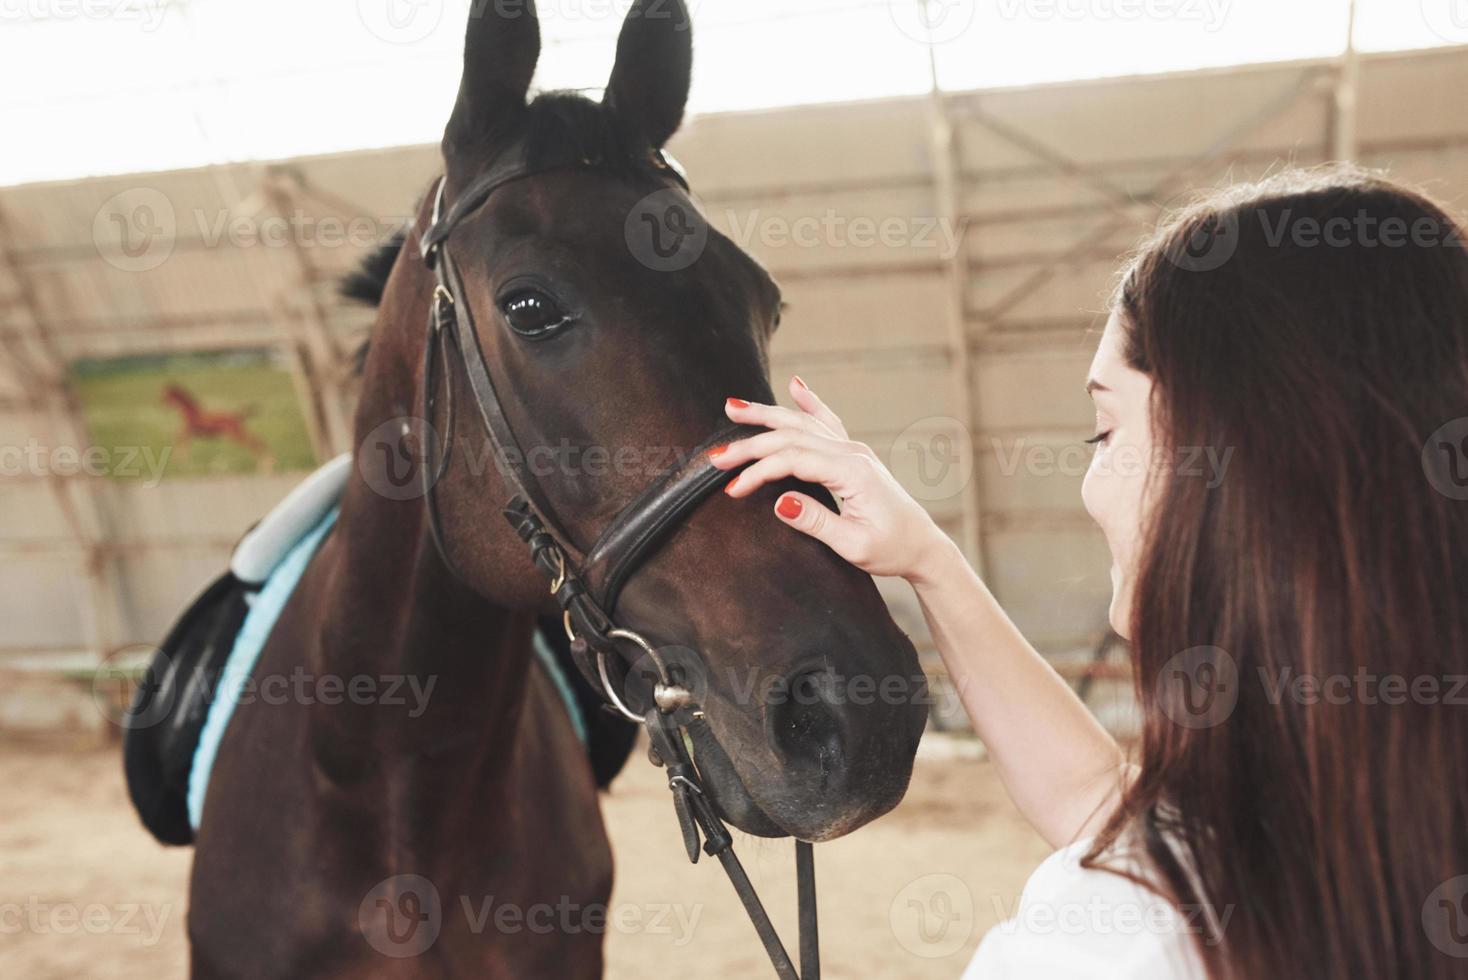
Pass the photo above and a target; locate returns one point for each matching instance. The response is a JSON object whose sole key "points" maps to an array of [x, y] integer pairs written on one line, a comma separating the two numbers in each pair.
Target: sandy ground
{"points": [[84, 892]]}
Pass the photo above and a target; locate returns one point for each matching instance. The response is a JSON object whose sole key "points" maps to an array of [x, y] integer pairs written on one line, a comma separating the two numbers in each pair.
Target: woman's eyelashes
{"points": [[1099, 439]]}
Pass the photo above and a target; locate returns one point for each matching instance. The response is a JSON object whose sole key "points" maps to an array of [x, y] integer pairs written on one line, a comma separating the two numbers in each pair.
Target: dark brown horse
{"points": [[315, 810]]}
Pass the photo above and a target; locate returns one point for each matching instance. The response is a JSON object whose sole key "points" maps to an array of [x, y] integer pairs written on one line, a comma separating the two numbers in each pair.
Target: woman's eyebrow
{"points": [[1093, 386]]}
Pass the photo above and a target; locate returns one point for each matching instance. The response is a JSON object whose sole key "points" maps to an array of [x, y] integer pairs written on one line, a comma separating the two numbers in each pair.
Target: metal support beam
{"points": [[1343, 136], [1122, 216], [41, 371], [302, 351], [947, 162], [321, 356]]}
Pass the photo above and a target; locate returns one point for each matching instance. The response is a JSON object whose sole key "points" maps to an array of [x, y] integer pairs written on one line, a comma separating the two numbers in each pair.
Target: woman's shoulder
{"points": [[1078, 923]]}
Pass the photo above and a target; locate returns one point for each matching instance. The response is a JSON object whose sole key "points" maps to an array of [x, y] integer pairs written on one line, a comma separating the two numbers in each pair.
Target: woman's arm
{"points": [[1061, 768]]}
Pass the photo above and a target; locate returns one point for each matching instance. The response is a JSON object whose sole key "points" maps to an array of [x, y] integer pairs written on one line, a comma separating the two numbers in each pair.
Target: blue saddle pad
{"points": [[265, 609]]}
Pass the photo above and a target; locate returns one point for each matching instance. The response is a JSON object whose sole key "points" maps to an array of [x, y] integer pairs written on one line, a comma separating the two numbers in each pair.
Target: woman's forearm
{"points": [[1062, 769]]}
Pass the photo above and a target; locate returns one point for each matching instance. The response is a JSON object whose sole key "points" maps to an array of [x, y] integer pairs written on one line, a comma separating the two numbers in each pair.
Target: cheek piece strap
{"points": [[587, 590]]}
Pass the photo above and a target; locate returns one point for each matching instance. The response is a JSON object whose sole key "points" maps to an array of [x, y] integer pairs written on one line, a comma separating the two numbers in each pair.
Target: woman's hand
{"points": [[880, 529]]}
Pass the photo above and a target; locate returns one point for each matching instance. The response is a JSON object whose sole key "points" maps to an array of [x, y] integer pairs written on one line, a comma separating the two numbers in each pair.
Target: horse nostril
{"points": [[803, 719]]}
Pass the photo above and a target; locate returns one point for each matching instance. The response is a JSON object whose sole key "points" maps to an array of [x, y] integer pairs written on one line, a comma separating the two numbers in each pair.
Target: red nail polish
{"points": [[717, 451], [801, 381], [789, 508], [729, 488], [738, 403]]}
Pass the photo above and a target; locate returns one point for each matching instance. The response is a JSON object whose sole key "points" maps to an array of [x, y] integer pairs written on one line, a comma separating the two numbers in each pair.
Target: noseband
{"points": [[587, 584]]}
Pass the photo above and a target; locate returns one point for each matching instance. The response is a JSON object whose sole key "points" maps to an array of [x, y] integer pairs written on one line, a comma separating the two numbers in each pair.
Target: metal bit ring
{"points": [[669, 696]]}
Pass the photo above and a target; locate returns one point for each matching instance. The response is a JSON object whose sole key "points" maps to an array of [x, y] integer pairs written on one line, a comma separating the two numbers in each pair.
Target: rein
{"points": [[587, 590]]}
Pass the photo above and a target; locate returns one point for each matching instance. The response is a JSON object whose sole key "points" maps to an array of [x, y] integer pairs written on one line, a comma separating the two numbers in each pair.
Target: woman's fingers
{"points": [[879, 527], [833, 471], [774, 417], [810, 403], [811, 517], [768, 443]]}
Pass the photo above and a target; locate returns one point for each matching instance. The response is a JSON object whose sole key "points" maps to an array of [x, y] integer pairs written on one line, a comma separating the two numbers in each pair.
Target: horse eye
{"points": [[533, 314]]}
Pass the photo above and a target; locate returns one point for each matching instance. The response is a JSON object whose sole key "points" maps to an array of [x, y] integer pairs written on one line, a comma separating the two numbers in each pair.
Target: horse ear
{"points": [[649, 86], [501, 49]]}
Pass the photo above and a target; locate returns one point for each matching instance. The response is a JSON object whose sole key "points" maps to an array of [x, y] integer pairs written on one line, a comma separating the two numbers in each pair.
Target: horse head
{"points": [[614, 321]]}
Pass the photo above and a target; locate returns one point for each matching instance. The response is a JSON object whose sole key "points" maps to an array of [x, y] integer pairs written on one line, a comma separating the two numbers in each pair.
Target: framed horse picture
{"points": [[195, 413]]}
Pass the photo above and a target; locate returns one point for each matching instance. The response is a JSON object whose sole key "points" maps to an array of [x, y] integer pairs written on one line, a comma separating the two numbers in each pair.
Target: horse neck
{"points": [[396, 613], [394, 608]]}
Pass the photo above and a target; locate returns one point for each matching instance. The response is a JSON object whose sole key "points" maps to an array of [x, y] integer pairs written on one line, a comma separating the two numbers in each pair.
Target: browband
{"points": [[511, 165]]}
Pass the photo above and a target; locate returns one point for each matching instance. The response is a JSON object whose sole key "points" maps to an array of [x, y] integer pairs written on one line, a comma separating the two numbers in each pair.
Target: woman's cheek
{"points": [[1116, 494], [1096, 495], [1105, 493]]}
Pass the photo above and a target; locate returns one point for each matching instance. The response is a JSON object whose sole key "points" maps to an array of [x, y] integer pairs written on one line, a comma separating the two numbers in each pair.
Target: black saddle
{"points": [[171, 704]]}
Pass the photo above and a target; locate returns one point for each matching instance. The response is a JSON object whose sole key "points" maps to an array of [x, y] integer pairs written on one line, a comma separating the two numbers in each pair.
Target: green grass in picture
{"points": [[214, 413]]}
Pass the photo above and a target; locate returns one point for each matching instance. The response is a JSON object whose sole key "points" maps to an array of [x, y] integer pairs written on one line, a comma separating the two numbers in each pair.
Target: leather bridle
{"points": [[586, 585]]}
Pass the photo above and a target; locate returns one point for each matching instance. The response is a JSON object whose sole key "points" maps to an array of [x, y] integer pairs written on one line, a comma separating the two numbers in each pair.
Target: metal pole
{"points": [[42, 371], [948, 189], [1344, 141]]}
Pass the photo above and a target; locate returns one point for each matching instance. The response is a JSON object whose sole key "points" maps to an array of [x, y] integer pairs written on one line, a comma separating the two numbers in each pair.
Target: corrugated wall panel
{"points": [[882, 313]]}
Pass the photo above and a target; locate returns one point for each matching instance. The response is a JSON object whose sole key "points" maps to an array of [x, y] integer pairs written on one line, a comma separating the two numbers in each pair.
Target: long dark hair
{"points": [[1312, 330]]}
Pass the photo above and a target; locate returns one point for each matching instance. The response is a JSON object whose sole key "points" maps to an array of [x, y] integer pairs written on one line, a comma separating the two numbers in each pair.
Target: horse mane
{"points": [[366, 283]]}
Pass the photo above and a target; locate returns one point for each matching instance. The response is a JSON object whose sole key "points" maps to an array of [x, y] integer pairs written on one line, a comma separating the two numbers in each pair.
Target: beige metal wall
{"points": [[946, 360]]}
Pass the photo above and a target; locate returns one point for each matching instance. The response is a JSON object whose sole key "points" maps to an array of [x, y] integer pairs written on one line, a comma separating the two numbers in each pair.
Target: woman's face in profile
{"points": [[1114, 490]]}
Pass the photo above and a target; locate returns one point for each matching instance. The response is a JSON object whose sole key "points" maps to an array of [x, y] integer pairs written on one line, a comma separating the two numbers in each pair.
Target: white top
{"points": [[1073, 923]]}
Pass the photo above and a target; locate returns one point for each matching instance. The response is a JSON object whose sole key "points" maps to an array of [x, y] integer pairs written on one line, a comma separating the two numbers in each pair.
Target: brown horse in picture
{"points": [[354, 838], [202, 423]]}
